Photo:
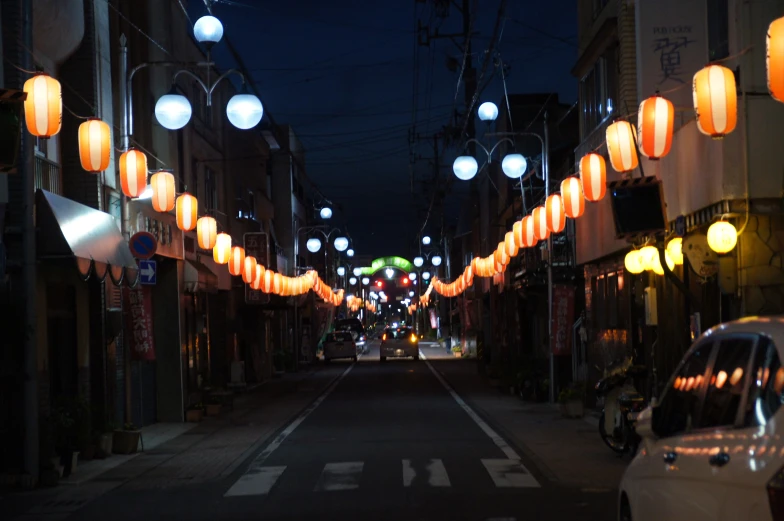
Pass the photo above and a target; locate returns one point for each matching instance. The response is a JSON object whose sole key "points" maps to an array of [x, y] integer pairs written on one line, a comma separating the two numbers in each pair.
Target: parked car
{"points": [[339, 344], [712, 446], [399, 342], [357, 330]]}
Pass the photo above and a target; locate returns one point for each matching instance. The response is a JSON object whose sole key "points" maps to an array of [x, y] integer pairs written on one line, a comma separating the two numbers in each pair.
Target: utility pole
{"points": [[546, 162]]}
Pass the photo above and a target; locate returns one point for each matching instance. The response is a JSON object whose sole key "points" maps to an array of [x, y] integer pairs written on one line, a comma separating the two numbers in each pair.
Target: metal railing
{"points": [[48, 176]]}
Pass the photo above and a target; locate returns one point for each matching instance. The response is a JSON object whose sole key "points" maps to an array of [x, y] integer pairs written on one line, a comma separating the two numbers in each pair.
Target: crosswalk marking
{"points": [[340, 476], [257, 483], [509, 473], [435, 470]]}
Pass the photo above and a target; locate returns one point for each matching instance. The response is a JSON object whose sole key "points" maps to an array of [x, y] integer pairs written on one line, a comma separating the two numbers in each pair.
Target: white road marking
{"points": [[436, 473], [340, 476], [508, 473], [257, 465], [256, 484]]}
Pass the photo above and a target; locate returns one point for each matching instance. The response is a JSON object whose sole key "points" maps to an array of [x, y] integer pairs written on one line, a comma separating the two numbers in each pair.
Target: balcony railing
{"points": [[48, 176]]}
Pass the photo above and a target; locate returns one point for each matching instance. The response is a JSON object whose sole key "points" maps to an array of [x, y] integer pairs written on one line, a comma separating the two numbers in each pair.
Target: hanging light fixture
{"points": [[517, 234], [186, 208], [634, 262], [341, 271], [244, 110], [352, 281], [648, 254], [655, 121], [206, 232], [541, 232], [162, 183], [208, 30], [248, 269], [656, 265], [715, 101], [313, 245], [133, 172], [774, 42], [529, 231], [572, 195], [722, 237], [95, 145], [418, 262], [593, 176], [43, 106], [509, 244], [436, 260], [426, 240], [465, 167], [258, 277], [514, 166], [221, 252], [488, 111], [412, 276], [173, 110], [357, 272], [621, 146], [325, 213], [236, 260], [341, 243], [675, 249], [350, 252], [426, 275], [554, 213]]}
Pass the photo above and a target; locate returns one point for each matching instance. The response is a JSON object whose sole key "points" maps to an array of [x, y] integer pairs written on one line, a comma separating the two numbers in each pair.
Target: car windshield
{"points": [[339, 336], [400, 332]]}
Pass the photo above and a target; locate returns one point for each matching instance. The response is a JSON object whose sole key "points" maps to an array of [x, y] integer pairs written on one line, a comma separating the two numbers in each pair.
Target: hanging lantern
{"points": [[656, 265], [722, 237], [509, 244], [221, 252], [541, 232], [249, 269], [186, 207], [529, 233], [517, 233], [621, 146], [554, 211], [648, 256], [95, 145], [775, 61], [133, 172], [633, 262], [258, 277], [277, 283], [675, 249], [572, 195], [502, 257], [593, 176], [162, 183], [655, 120], [43, 106], [266, 283], [715, 101], [236, 260], [206, 232]]}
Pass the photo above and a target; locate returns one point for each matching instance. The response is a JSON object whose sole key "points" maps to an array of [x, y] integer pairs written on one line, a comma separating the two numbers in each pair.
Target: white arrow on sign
{"points": [[148, 272]]}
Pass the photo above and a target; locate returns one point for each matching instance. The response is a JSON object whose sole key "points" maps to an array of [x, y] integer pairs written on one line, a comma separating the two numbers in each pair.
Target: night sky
{"points": [[341, 72]]}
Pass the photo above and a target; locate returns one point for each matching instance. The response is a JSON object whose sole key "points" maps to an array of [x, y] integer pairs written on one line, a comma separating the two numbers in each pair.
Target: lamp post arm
{"points": [[525, 134], [476, 142], [504, 140], [221, 78]]}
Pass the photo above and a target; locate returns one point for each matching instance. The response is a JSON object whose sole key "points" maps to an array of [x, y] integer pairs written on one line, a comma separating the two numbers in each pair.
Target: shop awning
{"points": [[67, 229], [199, 277]]}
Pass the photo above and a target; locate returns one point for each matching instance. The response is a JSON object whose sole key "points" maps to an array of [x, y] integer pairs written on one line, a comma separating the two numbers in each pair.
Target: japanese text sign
{"points": [[138, 316], [563, 319]]}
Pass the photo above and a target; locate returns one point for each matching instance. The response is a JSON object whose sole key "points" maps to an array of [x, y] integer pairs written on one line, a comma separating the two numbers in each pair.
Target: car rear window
{"points": [[339, 337], [401, 332]]}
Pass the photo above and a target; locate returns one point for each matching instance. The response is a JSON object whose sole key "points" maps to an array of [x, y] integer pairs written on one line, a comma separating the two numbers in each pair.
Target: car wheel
{"points": [[625, 513]]}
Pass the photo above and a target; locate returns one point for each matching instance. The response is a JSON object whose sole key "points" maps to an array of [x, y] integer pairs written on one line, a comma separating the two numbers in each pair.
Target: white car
{"points": [[713, 446], [399, 342], [339, 344]]}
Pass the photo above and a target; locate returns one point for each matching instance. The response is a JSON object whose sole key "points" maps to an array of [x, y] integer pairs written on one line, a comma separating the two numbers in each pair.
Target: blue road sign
{"points": [[143, 245], [680, 226], [148, 272]]}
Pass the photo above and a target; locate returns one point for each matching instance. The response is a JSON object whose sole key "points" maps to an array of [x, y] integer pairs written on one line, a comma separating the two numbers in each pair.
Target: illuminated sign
{"points": [[388, 262]]}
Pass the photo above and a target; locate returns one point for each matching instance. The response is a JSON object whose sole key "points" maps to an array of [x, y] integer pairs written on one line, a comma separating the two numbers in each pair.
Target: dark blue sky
{"points": [[341, 72]]}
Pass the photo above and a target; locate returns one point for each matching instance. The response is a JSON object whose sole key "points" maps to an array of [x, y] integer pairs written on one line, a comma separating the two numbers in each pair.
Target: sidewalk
{"points": [[568, 451]]}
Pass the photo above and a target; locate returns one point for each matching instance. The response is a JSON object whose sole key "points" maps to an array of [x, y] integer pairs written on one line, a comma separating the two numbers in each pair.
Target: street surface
{"points": [[386, 441]]}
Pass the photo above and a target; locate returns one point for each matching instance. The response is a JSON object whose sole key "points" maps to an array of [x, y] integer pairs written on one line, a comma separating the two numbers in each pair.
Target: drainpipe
{"points": [[549, 263]]}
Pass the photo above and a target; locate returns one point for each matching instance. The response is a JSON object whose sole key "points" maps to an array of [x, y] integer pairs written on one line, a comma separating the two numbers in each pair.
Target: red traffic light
{"points": [[379, 284], [405, 280]]}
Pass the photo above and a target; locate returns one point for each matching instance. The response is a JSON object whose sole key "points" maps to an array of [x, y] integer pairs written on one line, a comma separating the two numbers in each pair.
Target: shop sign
{"points": [[563, 319], [138, 305], [161, 226]]}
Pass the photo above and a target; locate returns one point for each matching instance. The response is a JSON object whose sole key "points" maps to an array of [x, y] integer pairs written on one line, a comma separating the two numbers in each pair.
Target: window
{"points": [[599, 91], [41, 146], [679, 406], [727, 382], [399, 333], [339, 337], [718, 29], [210, 189], [765, 390]]}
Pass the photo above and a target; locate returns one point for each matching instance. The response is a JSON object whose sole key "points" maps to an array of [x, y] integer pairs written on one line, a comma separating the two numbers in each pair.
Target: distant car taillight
{"points": [[413, 338], [384, 337], [776, 495]]}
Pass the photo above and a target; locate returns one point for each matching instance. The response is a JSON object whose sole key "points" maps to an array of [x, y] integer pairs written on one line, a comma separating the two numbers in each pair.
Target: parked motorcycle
{"points": [[622, 405]]}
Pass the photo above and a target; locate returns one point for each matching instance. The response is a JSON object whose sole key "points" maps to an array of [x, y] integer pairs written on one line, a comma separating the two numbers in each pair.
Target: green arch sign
{"points": [[388, 262]]}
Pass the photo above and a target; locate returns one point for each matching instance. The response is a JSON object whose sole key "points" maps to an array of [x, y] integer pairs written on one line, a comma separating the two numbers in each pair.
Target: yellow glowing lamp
{"points": [[633, 262], [675, 249], [657, 266], [722, 237], [648, 254]]}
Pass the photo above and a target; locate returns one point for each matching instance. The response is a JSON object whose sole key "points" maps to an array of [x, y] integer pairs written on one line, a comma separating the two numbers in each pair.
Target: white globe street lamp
{"points": [[426, 240], [357, 272], [208, 30], [436, 260], [341, 243], [350, 252], [352, 280], [173, 110], [488, 111], [412, 276], [514, 166], [341, 271], [410, 293], [418, 261], [244, 111], [426, 275], [326, 212], [313, 245], [465, 167], [365, 281]]}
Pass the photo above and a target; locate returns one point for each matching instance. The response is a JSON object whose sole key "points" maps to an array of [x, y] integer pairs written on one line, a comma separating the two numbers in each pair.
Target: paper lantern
{"points": [[509, 243], [633, 262], [236, 260], [621, 146], [529, 233], [593, 176], [95, 145], [277, 283], [133, 172], [186, 207], [43, 106], [517, 233], [502, 257], [162, 184], [266, 283], [722, 237], [541, 232], [221, 252], [648, 254], [715, 101], [206, 232], [675, 249], [258, 277], [572, 195], [554, 213], [249, 269], [656, 265], [655, 121], [775, 59]]}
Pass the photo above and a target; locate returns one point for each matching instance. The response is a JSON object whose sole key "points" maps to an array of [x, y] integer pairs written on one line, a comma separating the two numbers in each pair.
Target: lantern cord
{"points": [[15, 66], [74, 114]]}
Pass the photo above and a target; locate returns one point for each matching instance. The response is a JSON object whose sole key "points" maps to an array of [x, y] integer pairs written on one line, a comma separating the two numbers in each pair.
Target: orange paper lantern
{"points": [[237, 260], [277, 283], [541, 232], [715, 101], [655, 121], [249, 269], [593, 176], [133, 172], [621, 146], [529, 234], [162, 183], [186, 207], [517, 233], [266, 283], [258, 277], [95, 145], [774, 42], [221, 252], [206, 232], [43, 106], [509, 243], [554, 213], [572, 195]]}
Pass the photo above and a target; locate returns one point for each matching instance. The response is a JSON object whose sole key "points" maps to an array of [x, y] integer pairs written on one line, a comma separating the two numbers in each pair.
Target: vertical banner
{"points": [[672, 45], [563, 319], [433, 319], [256, 245], [138, 303]]}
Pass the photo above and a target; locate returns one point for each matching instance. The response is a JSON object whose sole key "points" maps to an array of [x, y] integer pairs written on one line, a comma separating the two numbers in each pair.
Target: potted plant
{"points": [[457, 351], [213, 406], [126, 440], [195, 413], [105, 438], [572, 400]]}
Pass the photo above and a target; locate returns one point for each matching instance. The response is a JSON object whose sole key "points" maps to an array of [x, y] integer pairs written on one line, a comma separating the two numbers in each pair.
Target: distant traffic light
{"points": [[379, 284], [405, 280]]}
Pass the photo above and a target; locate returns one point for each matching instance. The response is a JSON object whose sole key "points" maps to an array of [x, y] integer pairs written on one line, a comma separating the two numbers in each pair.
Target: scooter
{"points": [[622, 406]]}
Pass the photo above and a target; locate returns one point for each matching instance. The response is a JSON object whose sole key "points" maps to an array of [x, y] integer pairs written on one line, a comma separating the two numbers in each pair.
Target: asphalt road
{"points": [[385, 442]]}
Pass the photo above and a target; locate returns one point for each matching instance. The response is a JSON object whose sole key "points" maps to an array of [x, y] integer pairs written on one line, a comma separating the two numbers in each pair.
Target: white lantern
{"points": [[326, 212], [173, 110], [426, 275], [341, 271], [412, 276], [426, 240], [488, 111], [350, 252], [341, 243], [208, 30], [352, 280], [465, 167], [313, 245], [418, 262], [365, 281], [436, 260], [514, 166], [244, 111], [357, 272]]}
